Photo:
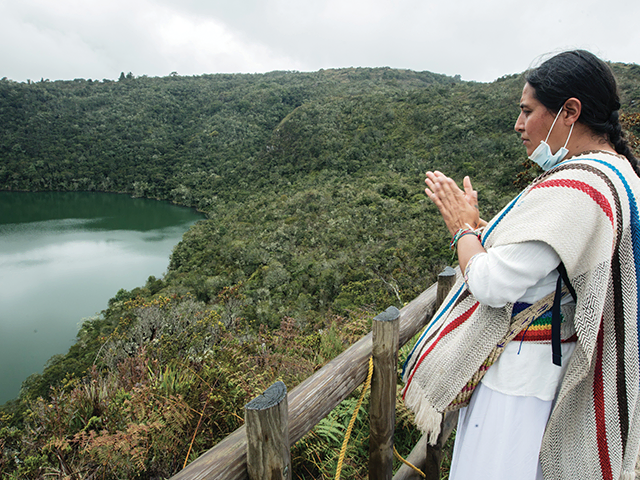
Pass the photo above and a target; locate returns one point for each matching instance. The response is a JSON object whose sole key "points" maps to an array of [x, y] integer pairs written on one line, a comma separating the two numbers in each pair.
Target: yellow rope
{"points": [[343, 450], [408, 464]]}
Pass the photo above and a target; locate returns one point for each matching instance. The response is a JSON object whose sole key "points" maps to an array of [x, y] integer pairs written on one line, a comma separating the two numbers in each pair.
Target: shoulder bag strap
{"points": [[556, 319]]}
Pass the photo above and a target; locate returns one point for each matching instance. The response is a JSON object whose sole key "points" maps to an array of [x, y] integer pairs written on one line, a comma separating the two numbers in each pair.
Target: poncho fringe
{"points": [[586, 210]]}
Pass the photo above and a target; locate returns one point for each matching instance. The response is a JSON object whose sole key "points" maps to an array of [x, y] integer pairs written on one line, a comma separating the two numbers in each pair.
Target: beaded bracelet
{"points": [[461, 233], [457, 236]]}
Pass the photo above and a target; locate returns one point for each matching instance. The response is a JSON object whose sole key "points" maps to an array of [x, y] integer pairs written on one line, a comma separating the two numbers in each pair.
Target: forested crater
{"points": [[312, 184]]}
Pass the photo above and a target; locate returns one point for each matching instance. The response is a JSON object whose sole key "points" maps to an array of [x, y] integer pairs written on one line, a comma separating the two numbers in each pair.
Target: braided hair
{"points": [[582, 75]]}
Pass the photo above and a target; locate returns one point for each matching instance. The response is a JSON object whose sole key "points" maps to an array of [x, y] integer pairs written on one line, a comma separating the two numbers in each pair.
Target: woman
{"points": [[560, 401]]}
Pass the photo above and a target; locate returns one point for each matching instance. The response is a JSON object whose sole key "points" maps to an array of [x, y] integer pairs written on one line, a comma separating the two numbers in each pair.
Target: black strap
{"points": [[565, 279], [555, 315]]}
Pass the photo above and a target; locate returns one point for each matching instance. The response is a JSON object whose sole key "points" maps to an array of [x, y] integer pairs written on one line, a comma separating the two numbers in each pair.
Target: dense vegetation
{"points": [[312, 185]]}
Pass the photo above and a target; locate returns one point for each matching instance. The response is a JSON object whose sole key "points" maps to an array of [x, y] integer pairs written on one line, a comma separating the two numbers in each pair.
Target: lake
{"points": [[62, 257]]}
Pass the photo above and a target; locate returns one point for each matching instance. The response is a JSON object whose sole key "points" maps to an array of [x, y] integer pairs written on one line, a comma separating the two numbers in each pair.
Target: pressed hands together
{"points": [[459, 210]]}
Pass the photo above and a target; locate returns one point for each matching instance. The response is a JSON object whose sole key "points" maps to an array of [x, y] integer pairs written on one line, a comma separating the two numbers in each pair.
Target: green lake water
{"points": [[62, 257]]}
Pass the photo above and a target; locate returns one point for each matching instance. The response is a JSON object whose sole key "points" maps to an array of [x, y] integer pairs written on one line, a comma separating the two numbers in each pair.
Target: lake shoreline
{"points": [[64, 256]]}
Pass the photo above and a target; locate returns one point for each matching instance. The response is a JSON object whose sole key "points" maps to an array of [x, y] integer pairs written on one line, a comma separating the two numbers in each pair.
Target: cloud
{"points": [[185, 40], [479, 40], [69, 39]]}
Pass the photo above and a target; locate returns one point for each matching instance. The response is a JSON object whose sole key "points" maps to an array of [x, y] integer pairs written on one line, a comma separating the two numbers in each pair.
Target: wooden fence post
{"points": [[435, 452], [267, 422], [382, 409], [446, 279]]}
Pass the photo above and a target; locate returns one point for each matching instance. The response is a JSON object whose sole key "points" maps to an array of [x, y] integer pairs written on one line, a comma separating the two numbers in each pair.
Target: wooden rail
{"points": [[315, 397]]}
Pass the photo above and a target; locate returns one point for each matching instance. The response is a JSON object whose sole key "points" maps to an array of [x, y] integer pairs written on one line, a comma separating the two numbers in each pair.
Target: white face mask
{"points": [[543, 156]]}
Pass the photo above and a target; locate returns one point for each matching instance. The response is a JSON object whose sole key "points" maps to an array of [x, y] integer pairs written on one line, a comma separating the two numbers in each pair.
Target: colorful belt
{"points": [[540, 329]]}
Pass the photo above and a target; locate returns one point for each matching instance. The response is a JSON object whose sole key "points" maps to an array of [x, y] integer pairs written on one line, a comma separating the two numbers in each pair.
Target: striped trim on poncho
{"points": [[585, 209]]}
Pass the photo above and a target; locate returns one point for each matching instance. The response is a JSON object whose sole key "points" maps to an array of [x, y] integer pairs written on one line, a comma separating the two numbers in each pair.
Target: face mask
{"points": [[543, 156]]}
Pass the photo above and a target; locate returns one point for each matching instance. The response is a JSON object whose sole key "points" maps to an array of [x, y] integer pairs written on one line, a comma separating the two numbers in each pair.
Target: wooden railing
{"points": [[314, 398]]}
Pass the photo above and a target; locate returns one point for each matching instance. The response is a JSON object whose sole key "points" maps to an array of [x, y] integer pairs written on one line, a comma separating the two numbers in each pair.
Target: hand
{"points": [[458, 208], [470, 195]]}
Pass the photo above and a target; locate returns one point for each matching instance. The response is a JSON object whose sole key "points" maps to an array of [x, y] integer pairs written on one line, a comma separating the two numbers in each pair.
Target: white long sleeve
{"points": [[523, 272]]}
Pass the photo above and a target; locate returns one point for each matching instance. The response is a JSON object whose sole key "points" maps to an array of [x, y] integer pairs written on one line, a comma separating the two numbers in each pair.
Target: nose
{"points": [[519, 126]]}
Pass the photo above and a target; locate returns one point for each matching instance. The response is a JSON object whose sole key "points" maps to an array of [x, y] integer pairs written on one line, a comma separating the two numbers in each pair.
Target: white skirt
{"points": [[499, 437]]}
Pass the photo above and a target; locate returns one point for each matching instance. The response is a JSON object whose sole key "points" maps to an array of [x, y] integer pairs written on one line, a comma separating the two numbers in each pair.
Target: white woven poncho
{"points": [[585, 209]]}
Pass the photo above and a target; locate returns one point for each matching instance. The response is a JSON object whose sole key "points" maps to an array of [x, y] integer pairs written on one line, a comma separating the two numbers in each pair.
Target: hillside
{"points": [[316, 220]]}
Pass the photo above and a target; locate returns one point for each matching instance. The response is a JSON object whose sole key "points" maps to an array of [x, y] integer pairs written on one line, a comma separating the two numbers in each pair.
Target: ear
{"points": [[571, 111]]}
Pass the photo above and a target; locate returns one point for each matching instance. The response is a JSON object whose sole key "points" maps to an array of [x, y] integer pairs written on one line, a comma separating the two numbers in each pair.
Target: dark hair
{"points": [[582, 75]]}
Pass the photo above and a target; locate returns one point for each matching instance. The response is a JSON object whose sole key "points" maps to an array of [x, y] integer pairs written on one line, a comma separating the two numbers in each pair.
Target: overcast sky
{"points": [[478, 39]]}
